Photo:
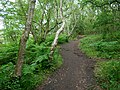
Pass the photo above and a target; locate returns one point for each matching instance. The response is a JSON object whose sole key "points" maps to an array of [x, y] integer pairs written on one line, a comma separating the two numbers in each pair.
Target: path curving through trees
{"points": [[76, 72]]}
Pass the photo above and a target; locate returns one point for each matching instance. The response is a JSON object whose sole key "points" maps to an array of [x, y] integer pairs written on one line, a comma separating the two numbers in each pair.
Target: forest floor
{"points": [[76, 73]]}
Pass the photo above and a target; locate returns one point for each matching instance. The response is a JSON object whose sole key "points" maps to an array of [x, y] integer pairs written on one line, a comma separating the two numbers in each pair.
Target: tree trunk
{"points": [[58, 32], [24, 38]]}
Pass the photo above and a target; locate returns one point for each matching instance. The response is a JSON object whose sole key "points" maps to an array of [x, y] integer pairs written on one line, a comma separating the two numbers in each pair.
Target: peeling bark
{"points": [[24, 38]]}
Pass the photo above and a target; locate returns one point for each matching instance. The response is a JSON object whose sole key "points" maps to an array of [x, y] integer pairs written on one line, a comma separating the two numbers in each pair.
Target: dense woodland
{"points": [[34, 29]]}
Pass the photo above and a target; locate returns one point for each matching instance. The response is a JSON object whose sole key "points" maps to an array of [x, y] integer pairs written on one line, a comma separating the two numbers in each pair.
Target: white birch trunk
{"points": [[55, 42]]}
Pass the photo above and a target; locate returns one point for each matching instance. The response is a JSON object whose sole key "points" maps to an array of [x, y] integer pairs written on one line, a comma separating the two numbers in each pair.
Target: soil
{"points": [[76, 72]]}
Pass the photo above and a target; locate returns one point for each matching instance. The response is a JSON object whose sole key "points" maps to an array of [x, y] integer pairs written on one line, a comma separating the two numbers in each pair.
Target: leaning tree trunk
{"points": [[58, 32], [24, 38]]}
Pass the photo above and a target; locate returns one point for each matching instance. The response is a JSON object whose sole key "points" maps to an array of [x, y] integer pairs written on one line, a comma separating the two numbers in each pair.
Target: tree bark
{"points": [[55, 42], [24, 38]]}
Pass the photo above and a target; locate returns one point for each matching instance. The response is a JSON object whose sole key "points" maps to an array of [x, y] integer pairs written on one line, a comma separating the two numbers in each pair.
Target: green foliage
{"points": [[95, 46], [14, 21], [7, 81], [36, 52], [35, 69], [38, 65], [85, 45], [107, 49], [62, 39], [108, 74], [30, 79], [102, 17], [8, 53], [114, 36], [107, 23]]}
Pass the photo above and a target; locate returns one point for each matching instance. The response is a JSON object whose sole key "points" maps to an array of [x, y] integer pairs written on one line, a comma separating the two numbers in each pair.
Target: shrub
{"points": [[108, 74], [35, 68], [86, 45], [8, 53], [36, 64], [107, 49], [95, 46], [7, 81], [62, 39]]}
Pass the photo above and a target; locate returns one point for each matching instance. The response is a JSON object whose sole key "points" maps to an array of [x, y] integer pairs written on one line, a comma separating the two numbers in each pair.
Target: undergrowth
{"points": [[95, 46], [36, 68], [107, 72]]}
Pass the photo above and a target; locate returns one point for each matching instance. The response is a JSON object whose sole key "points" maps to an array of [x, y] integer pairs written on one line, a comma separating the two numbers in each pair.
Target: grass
{"points": [[107, 72], [87, 47], [94, 46]]}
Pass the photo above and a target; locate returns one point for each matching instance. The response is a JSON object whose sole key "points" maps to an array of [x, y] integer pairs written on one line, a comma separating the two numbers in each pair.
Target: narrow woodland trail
{"points": [[76, 72]]}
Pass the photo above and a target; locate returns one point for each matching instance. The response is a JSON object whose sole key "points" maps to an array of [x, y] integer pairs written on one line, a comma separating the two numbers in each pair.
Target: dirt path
{"points": [[76, 72]]}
